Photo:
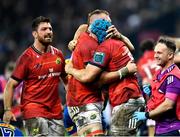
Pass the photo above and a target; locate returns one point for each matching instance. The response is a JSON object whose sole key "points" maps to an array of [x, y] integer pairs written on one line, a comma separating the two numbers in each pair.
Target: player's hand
{"points": [[139, 116], [132, 67], [147, 89], [112, 32], [68, 67], [8, 116], [72, 45]]}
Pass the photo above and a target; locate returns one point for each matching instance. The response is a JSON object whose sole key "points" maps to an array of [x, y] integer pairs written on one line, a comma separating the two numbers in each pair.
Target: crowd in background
{"points": [[137, 19]]}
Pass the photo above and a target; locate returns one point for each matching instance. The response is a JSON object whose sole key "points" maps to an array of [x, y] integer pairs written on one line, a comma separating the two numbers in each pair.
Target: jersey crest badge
{"points": [[58, 61]]}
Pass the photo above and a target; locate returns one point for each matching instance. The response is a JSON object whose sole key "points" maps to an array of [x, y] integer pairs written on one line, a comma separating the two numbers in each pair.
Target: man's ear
{"points": [[171, 55], [34, 33]]}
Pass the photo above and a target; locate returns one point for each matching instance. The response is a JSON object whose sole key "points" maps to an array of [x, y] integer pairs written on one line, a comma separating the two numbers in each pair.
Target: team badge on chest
{"points": [[58, 61]]}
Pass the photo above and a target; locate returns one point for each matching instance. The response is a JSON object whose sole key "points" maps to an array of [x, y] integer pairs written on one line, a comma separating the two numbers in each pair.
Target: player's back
{"points": [[120, 54], [80, 93], [118, 57]]}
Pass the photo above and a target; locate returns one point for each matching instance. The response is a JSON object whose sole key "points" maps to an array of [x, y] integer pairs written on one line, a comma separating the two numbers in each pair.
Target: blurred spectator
{"points": [[146, 63]]}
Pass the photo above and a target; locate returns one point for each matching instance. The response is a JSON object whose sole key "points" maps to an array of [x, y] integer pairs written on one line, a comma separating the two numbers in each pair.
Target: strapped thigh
{"points": [[122, 122], [84, 116]]}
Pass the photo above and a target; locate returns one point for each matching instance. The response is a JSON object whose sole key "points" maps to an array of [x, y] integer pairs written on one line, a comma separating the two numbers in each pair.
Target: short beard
{"points": [[45, 43]]}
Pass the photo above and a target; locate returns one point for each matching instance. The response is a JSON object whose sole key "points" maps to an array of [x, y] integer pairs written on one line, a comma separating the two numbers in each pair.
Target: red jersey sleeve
{"points": [[21, 69]]}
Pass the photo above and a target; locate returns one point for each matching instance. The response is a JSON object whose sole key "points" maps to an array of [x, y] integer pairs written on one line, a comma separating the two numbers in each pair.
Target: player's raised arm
{"points": [[72, 43]]}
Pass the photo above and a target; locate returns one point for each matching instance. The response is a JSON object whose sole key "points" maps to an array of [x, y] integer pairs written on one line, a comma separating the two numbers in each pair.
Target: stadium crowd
{"points": [[137, 19]]}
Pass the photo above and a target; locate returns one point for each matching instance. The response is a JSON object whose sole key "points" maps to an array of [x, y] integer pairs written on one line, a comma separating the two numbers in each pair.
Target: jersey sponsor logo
{"points": [[99, 57], [51, 74], [58, 61]]}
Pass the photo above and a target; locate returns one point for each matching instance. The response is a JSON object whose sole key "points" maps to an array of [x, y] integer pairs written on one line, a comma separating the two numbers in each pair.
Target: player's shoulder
{"points": [[85, 37], [113, 44], [27, 53], [86, 41], [56, 51], [174, 71]]}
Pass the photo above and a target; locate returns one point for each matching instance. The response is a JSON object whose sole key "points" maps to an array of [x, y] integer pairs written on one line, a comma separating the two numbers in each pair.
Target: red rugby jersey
{"points": [[112, 55], [147, 65], [40, 73], [79, 93]]}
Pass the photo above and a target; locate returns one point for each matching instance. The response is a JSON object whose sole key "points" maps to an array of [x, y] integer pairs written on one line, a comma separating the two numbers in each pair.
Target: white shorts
{"points": [[85, 115], [122, 122]]}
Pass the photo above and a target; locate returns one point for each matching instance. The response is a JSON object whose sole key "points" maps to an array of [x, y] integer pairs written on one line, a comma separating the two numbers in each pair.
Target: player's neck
{"points": [[167, 65], [40, 47]]}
